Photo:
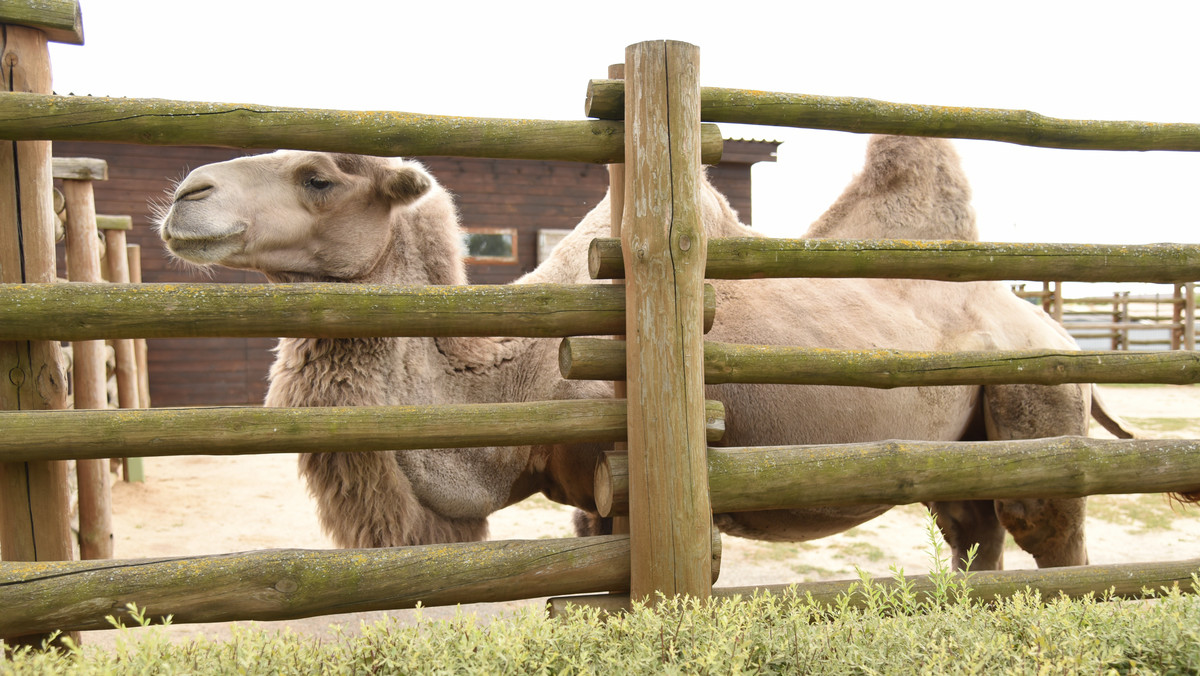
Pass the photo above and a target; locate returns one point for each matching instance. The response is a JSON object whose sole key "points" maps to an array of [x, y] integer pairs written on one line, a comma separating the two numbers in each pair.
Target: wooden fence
{"points": [[1124, 319], [670, 547]]}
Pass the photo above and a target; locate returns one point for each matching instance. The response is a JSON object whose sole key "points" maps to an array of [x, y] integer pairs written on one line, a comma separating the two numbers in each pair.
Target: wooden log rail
{"points": [[603, 359], [240, 125], [871, 116], [100, 311], [59, 20], [906, 472], [285, 584], [62, 435], [945, 260], [1122, 580]]}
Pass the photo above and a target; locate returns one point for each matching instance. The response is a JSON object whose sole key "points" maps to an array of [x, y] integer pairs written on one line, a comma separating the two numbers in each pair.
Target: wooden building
{"points": [[509, 206]]}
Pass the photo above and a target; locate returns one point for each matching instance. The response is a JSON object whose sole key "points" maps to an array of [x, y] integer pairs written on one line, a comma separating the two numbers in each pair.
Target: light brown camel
{"points": [[299, 216]]}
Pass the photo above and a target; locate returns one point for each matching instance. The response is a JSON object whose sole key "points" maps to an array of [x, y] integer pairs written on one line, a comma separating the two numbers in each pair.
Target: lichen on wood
{"points": [[945, 260], [387, 133], [872, 116]]}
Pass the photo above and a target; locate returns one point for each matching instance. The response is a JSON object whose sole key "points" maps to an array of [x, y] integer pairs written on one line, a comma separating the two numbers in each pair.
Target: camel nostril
{"points": [[194, 193]]}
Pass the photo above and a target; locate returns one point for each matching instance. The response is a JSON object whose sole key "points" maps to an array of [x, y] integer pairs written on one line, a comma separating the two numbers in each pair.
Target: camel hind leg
{"points": [[1049, 529], [1052, 530]]}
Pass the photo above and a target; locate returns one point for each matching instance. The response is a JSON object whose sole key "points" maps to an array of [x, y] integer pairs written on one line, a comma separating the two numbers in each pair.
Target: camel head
{"points": [[294, 216]]}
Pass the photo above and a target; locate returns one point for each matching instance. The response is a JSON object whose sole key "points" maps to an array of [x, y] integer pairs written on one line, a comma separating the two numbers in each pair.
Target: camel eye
{"points": [[317, 183]]}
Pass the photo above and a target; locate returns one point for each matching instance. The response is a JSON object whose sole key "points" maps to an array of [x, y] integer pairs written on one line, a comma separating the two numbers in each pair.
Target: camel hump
{"points": [[910, 188]]}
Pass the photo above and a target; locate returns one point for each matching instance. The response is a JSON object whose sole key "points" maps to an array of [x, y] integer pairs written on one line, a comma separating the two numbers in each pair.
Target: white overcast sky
{"points": [[1100, 60]]}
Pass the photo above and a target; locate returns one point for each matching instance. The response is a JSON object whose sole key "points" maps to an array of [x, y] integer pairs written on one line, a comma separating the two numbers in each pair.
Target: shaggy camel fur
{"points": [[318, 217]]}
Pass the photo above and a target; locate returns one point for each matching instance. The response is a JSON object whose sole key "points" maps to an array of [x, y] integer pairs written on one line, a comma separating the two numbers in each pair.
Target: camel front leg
{"points": [[967, 523], [1052, 530]]}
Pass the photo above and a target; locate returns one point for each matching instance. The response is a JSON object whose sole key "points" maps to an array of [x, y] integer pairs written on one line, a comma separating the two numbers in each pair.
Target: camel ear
{"points": [[406, 183]]}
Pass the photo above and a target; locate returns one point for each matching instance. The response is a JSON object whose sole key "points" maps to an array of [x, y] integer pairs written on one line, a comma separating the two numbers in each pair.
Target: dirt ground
{"points": [[207, 505]]}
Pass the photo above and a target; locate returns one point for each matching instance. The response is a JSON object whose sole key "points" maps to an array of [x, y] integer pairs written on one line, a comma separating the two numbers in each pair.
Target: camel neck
{"points": [[333, 371]]}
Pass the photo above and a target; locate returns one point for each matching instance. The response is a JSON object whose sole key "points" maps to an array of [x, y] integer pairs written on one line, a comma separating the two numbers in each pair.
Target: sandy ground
{"points": [[207, 505]]}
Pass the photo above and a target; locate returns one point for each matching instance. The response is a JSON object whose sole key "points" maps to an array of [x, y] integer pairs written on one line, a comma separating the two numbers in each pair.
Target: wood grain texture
{"points": [[291, 583], [50, 435], [907, 472], [871, 116], [669, 513], [59, 20], [89, 373], [92, 311], [583, 358], [241, 125], [34, 507], [945, 260], [79, 169]]}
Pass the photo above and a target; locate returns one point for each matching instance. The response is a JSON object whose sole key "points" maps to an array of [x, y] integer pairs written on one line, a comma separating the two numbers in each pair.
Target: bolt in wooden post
{"points": [[34, 522], [90, 376], [665, 249]]}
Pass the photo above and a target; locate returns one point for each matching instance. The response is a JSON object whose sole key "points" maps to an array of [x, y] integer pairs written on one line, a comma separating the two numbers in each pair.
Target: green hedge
{"points": [[765, 634]]}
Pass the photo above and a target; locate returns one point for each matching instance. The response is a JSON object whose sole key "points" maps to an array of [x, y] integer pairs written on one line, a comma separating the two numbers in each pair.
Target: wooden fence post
{"points": [[665, 249], [1117, 318], [34, 523], [133, 469], [126, 349], [90, 378], [1177, 327], [1189, 316]]}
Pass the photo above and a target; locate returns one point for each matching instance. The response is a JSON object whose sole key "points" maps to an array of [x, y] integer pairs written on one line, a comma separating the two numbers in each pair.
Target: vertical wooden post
{"points": [[665, 247], [118, 270], [34, 523], [135, 277], [1189, 316], [133, 469], [1177, 326], [90, 376], [126, 352], [1057, 305], [1116, 319]]}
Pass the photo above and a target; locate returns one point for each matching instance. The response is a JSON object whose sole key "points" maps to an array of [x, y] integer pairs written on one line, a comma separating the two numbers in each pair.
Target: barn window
{"points": [[548, 238], [490, 245]]}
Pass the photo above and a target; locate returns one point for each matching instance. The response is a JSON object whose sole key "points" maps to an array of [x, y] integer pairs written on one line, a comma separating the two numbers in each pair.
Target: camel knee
{"points": [[1050, 530]]}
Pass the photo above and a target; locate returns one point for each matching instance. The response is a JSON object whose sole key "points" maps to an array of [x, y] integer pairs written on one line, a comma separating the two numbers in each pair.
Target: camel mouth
{"points": [[203, 248]]}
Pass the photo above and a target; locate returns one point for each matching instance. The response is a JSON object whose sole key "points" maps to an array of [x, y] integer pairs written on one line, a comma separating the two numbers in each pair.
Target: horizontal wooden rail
{"points": [[64, 435], [40, 117], [906, 472], [606, 99], [604, 359], [290, 583], [1123, 580], [102, 311], [946, 260], [60, 20], [286, 584]]}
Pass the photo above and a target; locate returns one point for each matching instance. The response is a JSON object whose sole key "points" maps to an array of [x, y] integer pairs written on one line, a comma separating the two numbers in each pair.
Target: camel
{"points": [[309, 217]]}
